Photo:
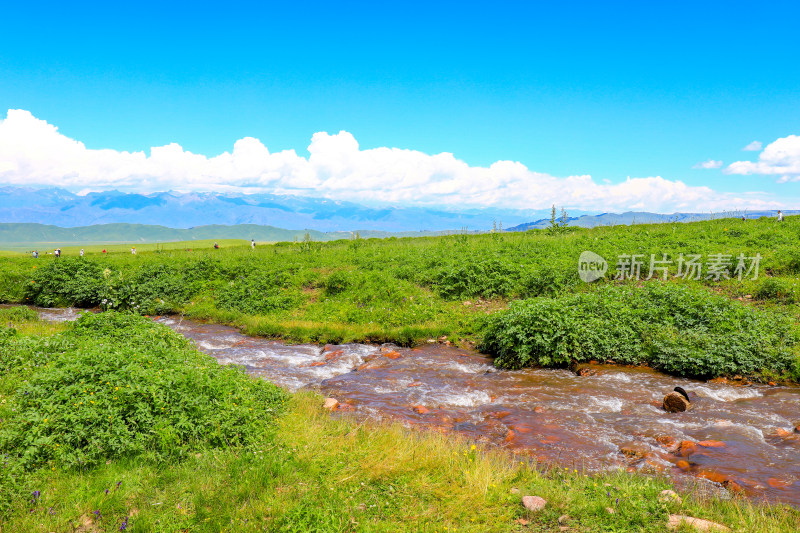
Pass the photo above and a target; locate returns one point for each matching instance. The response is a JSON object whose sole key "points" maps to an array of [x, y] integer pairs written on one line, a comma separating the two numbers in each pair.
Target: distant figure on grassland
{"points": [[252, 244], [780, 216], [35, 254], [216, 246], [81, 252], [57, 252], [133, 251]]}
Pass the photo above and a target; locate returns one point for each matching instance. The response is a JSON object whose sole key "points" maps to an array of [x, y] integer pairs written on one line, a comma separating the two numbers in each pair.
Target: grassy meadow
{"points": [[116, 423], [74, 249], [493, 290]]}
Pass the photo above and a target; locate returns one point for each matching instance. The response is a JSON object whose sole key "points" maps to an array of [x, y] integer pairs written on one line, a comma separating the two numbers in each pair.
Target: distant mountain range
{"points": [[62, 208], [20, 234], [59, 216], [641, 217]]}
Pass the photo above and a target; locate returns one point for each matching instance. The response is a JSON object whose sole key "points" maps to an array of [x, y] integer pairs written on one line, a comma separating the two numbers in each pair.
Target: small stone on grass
{"points": [[534, 503], [669, 496], [676, 521], [331, 404]]}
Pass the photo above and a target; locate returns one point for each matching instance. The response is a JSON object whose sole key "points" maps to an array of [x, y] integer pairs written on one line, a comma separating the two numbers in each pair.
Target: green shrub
{"points": [[118, 385], [374, 298], [775, 289], [258, 293], [65, 282], [477, 277], [13, 277], [546, 280], [23, 355], [153, 288], [17, 313], [337, 282], [689, 332]]}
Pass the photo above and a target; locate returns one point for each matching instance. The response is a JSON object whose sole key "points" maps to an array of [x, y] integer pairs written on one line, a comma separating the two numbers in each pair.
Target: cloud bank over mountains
{"points": [[34, 153]]}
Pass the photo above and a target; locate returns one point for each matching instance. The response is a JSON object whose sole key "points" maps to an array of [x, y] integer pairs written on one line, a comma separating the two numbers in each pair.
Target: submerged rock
{"points": [[636, 450], [675, 402], [712, 444], [667, 442], [686, 448], [585, 371]]}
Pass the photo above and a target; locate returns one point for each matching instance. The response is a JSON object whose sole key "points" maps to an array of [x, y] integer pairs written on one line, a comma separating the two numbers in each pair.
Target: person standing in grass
{"points": [[133, 251], [81, 252], [252, 244], [780, 216]]}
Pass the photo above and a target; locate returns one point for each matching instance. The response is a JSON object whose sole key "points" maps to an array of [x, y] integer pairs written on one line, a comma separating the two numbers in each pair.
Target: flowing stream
{"points": [[742, 437]]}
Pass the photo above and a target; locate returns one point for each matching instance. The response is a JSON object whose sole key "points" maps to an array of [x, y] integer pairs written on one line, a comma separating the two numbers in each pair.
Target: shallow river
{"points": [[741, 436]]}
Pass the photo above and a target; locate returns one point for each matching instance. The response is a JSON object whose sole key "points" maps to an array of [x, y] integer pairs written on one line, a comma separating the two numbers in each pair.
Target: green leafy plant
{"points": [[681, 330], [117, 385]]}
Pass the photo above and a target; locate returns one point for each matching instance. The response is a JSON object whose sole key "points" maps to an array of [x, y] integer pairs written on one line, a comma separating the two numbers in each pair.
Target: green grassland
{"points": [[23, 236], [116, 423], [73, 250], [517, 296]]}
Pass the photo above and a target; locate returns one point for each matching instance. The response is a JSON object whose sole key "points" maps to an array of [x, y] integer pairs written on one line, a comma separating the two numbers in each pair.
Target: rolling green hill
{"points": [[23, 236]]}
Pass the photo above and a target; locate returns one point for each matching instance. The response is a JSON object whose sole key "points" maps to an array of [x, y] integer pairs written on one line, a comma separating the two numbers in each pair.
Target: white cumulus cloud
{"points": [[781, 158], [754, 146], [34, 153], [708, 164]]}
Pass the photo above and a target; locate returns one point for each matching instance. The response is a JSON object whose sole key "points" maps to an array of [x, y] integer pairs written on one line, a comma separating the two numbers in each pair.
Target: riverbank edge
{"points": [[362, 476], [298, 333]]}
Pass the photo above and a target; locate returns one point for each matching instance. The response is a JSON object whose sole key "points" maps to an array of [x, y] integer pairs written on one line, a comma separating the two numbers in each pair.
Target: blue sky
{"points": [[607, 89]]}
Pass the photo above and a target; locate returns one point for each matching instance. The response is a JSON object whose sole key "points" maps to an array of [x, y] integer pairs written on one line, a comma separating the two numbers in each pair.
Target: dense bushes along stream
{"points": [[409, 290]]}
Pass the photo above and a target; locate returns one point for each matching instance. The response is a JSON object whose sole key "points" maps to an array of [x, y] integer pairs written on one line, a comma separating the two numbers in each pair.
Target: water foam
{"points": [[727, 394], [458, 399], [605, 405], [467, 368]]}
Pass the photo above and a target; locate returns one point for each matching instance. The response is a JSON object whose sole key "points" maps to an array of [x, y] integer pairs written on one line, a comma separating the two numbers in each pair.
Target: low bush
{"points": [[65, 282], [777, 290], [152, 288], [258, 293], [17, 313], [477, 277], [374, 298], [681, 330], [117, 385]]}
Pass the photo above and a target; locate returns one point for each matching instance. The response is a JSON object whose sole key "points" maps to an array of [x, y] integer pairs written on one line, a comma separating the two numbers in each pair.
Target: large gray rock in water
{"points": [[675, 402]]}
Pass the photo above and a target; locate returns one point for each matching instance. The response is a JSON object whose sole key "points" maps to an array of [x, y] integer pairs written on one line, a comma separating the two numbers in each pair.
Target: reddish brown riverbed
{"points": [[741, 436]]}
